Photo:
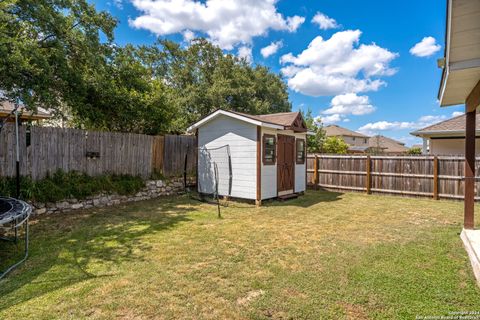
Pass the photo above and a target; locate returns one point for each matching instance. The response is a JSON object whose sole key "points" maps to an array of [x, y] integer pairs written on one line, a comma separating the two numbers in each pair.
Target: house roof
{"points": [[6, 108], [387, 144], [282, 121], [461, 62], [358, 148], [335, 131], [453, 126]]}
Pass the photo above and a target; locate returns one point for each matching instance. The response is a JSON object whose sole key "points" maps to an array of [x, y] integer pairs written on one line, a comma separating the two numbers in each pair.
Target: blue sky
{"points": [[351, 62]]}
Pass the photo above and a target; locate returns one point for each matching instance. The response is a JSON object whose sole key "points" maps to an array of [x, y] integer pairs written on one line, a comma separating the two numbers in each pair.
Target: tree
{"points": [[48, 47], [202, 79], [125, 97], [60, 54], [335, 145], [414, 151], [314, 142]]}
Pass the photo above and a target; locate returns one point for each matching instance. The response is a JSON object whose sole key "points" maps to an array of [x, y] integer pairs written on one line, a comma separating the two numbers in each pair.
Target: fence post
{"points": [[435, 178], [315, 172], [369, 175]]}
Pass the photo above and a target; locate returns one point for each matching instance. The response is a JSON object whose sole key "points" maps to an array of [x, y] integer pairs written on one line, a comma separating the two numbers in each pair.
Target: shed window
{"points": [[300, 146], [269, 149]]}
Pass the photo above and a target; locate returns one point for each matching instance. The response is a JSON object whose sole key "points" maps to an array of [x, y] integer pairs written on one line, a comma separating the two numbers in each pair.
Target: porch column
{"points": [[424, 146], [469, 170], [471, 104]]}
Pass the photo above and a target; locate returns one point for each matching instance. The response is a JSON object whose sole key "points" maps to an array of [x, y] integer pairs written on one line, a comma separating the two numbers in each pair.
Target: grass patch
{"points": [[321, 256], [64, 185]]}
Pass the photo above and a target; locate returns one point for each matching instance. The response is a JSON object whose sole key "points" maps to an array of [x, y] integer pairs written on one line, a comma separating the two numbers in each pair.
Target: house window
{"points": [[300, 147], [353, 138], [365, 140], [269, 149]]}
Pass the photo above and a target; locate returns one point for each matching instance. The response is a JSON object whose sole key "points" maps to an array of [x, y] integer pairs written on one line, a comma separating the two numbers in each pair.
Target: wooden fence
{"points": [[169, 153], [427, 176], [44, 150]]}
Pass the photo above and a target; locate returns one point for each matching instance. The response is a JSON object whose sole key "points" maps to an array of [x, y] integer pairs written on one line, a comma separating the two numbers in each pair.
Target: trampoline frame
{"points": [[15, 216], [16, 219]]}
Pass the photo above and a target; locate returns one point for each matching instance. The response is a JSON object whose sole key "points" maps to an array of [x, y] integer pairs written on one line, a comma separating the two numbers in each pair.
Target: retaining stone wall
{"points": [[152, 189]]}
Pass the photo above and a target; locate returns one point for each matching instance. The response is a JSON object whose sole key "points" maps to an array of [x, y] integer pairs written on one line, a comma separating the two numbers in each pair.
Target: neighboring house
{"points": [[446, 137], [7, 107], [358, 143], [383, 145], [267, 154]]}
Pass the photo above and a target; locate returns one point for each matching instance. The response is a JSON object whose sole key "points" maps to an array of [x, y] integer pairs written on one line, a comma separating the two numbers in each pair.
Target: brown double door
{"points": [[285, 163]]}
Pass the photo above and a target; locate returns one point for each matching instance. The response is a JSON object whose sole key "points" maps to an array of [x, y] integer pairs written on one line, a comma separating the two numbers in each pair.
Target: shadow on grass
{"points": [[69, 248], [310, 198]]}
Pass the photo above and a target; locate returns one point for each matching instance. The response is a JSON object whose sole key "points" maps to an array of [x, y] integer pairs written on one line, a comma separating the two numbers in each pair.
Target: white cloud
{"points": [[227, 23], [425, 48], [371, 128], [188, 35], [337, 66], [118, 4], [324, 22], [457, 113], [329, 119], [294, 22], [272, 48], [245, 53], [350, 103]]}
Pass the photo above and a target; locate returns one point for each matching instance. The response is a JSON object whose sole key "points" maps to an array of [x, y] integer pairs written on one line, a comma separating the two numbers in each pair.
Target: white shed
{"points": [[267, 154]]}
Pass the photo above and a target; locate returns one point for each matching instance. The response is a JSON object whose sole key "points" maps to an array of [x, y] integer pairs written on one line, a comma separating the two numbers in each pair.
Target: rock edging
{"points": [[152, 189]]}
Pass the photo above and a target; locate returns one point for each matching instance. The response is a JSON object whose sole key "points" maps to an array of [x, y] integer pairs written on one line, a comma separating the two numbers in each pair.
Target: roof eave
{"points": [[235, 116]]}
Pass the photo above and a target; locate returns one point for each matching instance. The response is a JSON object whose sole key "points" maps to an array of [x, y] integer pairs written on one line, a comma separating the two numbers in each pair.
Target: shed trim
{"points": [[235, 116]]}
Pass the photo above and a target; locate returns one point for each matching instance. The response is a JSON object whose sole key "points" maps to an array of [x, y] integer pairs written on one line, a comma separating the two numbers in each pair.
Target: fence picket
{"points": [[120, 153], [429, 176]]}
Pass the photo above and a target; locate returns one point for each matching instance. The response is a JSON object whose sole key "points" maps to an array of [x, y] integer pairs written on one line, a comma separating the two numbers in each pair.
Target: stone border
{"points": [[152, 189]]}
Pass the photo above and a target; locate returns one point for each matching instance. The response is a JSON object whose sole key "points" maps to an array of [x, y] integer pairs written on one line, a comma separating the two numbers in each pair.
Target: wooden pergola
{"points": [[460, 83]]}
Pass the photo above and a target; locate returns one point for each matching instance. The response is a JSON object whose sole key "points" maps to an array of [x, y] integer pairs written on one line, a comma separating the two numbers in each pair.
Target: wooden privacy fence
{"points": [[169, 153], [45, 150], [427, 176]]}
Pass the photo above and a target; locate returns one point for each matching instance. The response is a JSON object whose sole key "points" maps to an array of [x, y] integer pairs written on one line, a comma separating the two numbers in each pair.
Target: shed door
{"points": [[285, 163]]}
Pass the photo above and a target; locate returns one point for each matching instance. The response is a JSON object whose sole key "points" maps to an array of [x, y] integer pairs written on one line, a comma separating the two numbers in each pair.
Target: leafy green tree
{"points": [[60, 54], [125, 97], [202, 79], [49, 47], [314, 142], [335, 145], [414, 151]]}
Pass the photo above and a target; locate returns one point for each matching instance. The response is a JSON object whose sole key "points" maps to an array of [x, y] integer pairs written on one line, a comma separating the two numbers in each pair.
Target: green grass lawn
{"points": [[322, 256]]}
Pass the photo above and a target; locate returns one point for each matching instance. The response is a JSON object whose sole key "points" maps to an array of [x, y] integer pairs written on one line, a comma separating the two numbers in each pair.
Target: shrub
{"points": [[415, 150], [335, 145], [63, 185]]}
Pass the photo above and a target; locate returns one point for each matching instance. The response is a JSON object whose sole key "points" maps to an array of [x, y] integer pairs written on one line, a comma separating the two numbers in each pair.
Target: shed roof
{"points": [[387, 144], [448, 127], [282, 121], [334, 131], [6, 107]]}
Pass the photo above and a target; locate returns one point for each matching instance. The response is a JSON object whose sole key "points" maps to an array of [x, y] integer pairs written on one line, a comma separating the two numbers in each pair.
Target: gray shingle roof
{"points": [[387, 144], [335, 131], [453, 125]]}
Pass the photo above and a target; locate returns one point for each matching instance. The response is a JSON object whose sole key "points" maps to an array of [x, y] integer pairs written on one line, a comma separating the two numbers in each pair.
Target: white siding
{"points": [[443, 147], [241, 137], [300, 168], [269, 172]]}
